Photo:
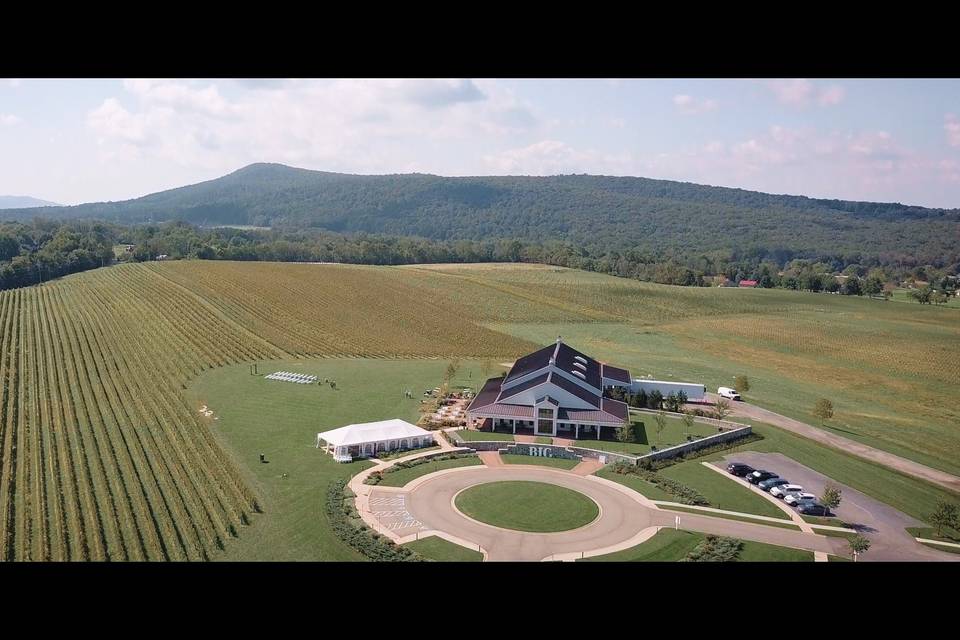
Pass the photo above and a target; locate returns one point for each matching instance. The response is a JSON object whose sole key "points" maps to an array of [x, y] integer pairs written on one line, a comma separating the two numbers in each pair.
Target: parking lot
{"points": [[881, 523]]}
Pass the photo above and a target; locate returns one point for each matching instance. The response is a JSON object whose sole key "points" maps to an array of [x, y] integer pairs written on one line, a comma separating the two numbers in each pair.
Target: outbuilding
{"points": [[367, 439]]}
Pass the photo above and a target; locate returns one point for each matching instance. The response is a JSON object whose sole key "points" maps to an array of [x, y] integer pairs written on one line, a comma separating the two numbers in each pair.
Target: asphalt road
{"points": [[903, 465], [881, 523], [624, 514]]}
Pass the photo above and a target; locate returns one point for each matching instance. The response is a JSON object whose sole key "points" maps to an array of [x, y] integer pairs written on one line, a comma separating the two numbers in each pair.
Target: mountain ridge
{"points": [[621, 212]]}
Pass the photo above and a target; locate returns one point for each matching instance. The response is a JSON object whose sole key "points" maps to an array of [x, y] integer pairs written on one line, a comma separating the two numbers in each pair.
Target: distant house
{"points": [[162, 256], [748, 283]]}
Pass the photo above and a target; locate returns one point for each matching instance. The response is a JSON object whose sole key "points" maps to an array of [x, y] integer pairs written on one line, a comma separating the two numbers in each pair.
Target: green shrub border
{"points": [[682, 492], [655, 465], [375, 477], [716, 549], [341, 512]]}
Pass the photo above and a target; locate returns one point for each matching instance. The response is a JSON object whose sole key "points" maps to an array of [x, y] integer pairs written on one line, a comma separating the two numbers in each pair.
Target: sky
{"points": [[76, 140]]}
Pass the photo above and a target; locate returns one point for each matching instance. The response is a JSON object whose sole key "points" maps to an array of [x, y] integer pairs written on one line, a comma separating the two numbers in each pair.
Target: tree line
{"points": [[45, 249]]}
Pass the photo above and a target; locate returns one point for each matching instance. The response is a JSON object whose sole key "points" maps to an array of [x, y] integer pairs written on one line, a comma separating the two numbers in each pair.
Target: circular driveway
{"points": [[621, 516]]}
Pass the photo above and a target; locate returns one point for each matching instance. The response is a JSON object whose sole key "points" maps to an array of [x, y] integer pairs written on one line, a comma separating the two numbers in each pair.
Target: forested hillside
{"points": [[659, 217]]}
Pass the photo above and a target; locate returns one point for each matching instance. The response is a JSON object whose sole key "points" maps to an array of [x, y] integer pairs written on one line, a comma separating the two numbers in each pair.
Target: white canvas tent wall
{"points": [[367, 438]]}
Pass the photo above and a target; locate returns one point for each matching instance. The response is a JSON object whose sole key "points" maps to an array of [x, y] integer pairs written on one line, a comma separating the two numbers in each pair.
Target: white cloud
{"points": [[800, 92], [8, 119], [952, 127], [553, 157], [690, 105], [340, 125]]}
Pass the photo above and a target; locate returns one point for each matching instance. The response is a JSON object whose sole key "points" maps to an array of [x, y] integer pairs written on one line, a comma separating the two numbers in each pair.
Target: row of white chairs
{"points": [[287, 376]]}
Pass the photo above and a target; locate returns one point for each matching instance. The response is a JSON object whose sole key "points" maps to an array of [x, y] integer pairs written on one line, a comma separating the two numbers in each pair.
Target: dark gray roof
{"points": [[564, 357], [575, 389], [523, 386], [488, 394], [615, 373]]}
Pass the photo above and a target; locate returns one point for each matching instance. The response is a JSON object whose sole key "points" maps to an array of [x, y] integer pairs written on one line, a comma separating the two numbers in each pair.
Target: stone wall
{"points": [[696, 445]]}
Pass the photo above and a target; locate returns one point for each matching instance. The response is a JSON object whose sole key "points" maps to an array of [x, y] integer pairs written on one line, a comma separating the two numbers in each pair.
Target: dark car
{"points": [[770, 483], [760, 475], [739, 469], [812, 508]]}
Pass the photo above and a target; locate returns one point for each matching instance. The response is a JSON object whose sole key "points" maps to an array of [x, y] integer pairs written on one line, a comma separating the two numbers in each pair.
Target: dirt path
{"points": [[895, 462], [587, 467], [490, 458]]}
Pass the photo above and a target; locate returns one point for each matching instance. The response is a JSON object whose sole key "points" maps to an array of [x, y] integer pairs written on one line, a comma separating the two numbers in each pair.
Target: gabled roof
{"points": [[372, 432], [615, 373], [563, 357], [523, 386]]}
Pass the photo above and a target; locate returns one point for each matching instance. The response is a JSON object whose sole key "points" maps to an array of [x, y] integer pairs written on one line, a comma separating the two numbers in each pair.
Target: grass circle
{"points": [[522, 505]]}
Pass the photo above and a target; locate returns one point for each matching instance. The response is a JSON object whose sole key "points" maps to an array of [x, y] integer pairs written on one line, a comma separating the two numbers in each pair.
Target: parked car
{"points": [[727, 392], [739, 469], [770, 483], [780, 491], [793, 499], [812, 508], [760, 475]]}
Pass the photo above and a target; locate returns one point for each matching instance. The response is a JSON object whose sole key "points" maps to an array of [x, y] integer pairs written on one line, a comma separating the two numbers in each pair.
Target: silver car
{"points": [[781, 490], [794, 498]]}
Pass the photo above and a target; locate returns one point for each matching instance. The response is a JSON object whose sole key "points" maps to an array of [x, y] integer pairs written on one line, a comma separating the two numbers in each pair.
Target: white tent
{"points": [[366, 439]]}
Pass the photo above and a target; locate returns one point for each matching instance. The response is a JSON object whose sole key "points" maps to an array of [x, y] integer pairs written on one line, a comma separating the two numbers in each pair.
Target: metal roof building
{"points": [[555, 391]]}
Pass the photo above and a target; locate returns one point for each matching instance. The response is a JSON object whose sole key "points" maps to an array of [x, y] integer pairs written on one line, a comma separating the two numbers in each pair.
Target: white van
{"points": [[727, 392]]}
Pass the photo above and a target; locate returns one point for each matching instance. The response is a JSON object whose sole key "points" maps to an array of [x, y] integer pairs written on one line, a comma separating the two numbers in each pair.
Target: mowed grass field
{"points": [[887, 367], [105, 456]]}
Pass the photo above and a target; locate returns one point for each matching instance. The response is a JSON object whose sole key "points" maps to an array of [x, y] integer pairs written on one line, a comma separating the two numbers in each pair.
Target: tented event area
{"points": [[368, 438]]}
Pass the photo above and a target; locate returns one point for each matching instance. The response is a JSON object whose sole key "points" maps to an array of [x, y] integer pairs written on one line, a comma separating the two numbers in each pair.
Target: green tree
{"points": [[823, 409], [945, 515], [831, 497], [923, 295], [655, 400], [721, 409], [661, 420], [858, 544], [688, 419], [627, 433], [741, 383]]}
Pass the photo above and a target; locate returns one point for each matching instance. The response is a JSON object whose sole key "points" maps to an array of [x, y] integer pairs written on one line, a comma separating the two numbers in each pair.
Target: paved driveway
{"points": [[881, 523], [887, 459], [624, 515]]}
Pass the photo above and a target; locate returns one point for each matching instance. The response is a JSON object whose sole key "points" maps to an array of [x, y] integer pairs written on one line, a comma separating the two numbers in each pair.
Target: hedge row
{"points": [[654, 465], [341, 513], [375, 477], [715, 549], [683, 493]]}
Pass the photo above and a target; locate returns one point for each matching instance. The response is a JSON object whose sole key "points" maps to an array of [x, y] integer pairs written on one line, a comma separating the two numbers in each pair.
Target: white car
{"points": [[794, 498], [782, 490], [727, 392]]}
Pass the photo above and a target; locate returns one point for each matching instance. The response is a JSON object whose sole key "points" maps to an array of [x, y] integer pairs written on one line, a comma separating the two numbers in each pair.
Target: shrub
{"points": [[715, 549], [683, 493], [341, 512]]}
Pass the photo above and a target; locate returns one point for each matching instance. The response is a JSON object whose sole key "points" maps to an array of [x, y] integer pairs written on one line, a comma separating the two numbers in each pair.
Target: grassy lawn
{"points": [[668, 545], [721, 491], [674, 432], [527, 506], [911, 496], [940, 547], [559, 463], [436, 548], [760, 552], [784, 525], [400, 454], [470, 435], [403, 476], [543, 440], [947, 534], [281, 420], [832, 558], [636, 483]]}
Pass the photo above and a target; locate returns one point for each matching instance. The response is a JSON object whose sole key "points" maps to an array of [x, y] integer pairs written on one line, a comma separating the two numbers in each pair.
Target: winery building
{"points": [[556, 391]]}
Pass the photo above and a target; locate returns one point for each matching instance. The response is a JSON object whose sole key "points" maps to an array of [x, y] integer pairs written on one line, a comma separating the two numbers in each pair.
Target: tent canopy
{"points": [[354, 434]]}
